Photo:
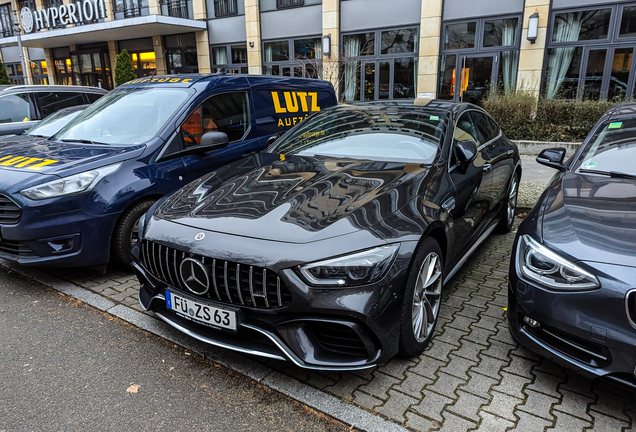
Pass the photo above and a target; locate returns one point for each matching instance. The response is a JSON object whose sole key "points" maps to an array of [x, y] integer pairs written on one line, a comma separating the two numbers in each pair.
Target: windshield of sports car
{"points": [[53, 123], [384, 134], [611, 151], [125, 117]]}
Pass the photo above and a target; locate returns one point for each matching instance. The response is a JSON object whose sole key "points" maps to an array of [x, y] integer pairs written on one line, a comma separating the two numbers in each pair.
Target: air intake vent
{"points": [[228, 282], [10, 212], [16, 249], [338, 339]]}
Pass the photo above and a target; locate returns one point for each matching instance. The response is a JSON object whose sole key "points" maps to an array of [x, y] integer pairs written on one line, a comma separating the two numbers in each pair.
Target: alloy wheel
{"points": [[427, 297]]}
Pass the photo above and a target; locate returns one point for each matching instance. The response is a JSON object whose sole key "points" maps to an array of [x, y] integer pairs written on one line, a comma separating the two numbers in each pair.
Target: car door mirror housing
{"points": [[271, 140], [466, 151], [214, 140], [553, 157]]}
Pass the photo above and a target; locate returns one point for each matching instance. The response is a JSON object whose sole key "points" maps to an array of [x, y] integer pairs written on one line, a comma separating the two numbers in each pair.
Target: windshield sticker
{"points": [[615, 125], [434, 118], [590, 164], [31, 163], [302, 103], [25, 119]]}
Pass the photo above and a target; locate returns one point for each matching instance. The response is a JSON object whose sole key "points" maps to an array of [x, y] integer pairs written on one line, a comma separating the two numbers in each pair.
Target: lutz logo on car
{"points": [[72, 13], [294, 102], [26, 162]]}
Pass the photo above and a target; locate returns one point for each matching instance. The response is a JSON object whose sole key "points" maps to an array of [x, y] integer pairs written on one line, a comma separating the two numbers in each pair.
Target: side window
{"points": [[15, 108], [92, 97], [485, 130], [464, 130], [224, 113], [55, 101]]}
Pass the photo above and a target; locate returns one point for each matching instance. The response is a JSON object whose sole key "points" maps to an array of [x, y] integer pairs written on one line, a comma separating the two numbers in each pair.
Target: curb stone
{"points": [[316, 399]]}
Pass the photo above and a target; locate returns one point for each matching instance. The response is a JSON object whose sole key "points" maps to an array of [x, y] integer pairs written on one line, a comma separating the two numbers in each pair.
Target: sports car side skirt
{"points": [[470, 251]]}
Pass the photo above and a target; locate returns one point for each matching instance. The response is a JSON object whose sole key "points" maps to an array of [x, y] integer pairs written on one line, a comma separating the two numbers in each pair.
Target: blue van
{"points": [[75, 199]]}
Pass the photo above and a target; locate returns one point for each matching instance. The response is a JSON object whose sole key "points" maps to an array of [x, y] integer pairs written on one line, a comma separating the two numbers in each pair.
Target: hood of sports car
{"points": [[592, 218], [297, 199]]}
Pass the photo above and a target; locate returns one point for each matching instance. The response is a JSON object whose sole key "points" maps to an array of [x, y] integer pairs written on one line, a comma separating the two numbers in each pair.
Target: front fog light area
{"points": [[355, 269], [539, 264]]}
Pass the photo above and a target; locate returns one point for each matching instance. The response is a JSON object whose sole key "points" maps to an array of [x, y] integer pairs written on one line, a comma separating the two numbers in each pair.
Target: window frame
{"points": [[479, 35], [292, 62], [229, 67]]}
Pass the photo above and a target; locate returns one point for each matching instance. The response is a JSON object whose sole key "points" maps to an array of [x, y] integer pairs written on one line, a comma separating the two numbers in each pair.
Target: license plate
{"points": [[200, 312]]}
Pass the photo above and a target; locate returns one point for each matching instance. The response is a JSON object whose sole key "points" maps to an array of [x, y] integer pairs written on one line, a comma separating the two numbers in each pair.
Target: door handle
{"points": [[510, 152], [487, 167], [449, 204]]}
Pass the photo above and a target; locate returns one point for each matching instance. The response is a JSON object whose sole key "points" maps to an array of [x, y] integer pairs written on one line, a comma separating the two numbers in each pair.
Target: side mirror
{"points": [[466, 151], [271, 140], [214, 140], [553, 157]]}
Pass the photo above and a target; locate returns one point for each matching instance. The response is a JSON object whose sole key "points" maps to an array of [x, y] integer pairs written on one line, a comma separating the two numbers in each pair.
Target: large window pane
{"points": [[594, 74], [404, 78], [361, 44], [507, 76], [501, 32], [307, 48], [399, 41], [14, 108], [369, 81], [460, 36], [219, 55], [628, 22], [277, 51], [239, 54], [585, 25], [562, 75], [447, 77], [385, 80], [351, 83], [621, 64]]}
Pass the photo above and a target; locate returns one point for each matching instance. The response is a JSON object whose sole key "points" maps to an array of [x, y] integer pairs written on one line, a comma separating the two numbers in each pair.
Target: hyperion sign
{"points": [[72, 13]]}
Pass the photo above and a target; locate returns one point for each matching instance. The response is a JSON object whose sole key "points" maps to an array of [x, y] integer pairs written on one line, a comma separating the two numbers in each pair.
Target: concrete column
{"points": [[253, 33], [110, 10], [154, 7], [428, 61], [50, 65], [331, 26], [112, 56], [160, 60], [531, 54], [203, 51], [199, 10]]}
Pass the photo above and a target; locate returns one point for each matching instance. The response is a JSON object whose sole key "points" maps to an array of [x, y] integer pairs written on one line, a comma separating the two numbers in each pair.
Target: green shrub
{"points": [[4, 77], [523, 118], [124, 71]]}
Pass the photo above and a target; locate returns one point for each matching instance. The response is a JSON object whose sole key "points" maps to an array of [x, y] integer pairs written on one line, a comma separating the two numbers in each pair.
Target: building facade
{"points": [[369, 49]]}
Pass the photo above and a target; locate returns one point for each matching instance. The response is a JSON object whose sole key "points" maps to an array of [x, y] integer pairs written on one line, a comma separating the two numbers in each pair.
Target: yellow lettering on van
{"points": [[27, 162], [144, 80], [13, 161], [163, 80], [280, 122], [38, 167], [187, 80], [175, 80], [288, 122], [296, 118], [154, 80], [314, 101], [291, 102], [277, 106], [303, 100]]}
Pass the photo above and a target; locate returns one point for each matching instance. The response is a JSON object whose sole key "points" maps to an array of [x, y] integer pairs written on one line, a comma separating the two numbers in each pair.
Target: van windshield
{"points": [[125, 117]]}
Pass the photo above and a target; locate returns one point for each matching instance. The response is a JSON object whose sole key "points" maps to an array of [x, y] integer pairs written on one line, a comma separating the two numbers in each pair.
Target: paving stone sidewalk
{"points": [[473, 376]]}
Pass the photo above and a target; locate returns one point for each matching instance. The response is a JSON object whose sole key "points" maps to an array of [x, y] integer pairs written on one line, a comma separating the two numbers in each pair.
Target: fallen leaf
{"points": [[187, 353], [171, 368], [133, 388]]}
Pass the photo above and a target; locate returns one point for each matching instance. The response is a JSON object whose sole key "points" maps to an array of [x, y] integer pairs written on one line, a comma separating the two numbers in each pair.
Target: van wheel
{"points": [[422, 299], [126, 233]]}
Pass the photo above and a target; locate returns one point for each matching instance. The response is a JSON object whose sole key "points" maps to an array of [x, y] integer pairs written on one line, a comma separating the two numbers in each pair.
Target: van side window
{"points": [[55, 101], [226, 112], [15, 108]]}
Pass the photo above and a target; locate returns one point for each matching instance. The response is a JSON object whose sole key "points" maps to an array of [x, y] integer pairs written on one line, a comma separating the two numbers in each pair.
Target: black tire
{"points": [[507, 213], [124, 233], [412, 345]]}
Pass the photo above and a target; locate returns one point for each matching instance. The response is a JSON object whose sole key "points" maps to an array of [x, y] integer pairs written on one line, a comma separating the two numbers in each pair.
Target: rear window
{"points": [[367, 133]]}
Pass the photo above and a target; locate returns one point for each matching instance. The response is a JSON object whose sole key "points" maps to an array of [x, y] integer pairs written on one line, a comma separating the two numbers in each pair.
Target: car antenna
{"points": [[152, 74]]}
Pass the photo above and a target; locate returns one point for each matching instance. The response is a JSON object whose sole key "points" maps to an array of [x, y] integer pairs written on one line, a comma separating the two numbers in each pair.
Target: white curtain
{"points": [[509, 59], [565, 30], [318, 57], [269, 57], [220, 56], [351, 49]]}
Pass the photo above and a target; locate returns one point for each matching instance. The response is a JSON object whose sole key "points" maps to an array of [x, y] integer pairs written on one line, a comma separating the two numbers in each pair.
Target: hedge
{"points": [[522, 118]]}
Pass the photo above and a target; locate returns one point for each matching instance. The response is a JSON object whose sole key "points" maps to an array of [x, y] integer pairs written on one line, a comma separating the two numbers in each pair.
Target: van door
{"points": [[225, 112]]}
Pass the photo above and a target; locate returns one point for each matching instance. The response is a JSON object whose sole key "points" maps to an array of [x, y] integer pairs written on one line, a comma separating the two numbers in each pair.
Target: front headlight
{"points": [[355, 269], [69, 185], [538, 263]]}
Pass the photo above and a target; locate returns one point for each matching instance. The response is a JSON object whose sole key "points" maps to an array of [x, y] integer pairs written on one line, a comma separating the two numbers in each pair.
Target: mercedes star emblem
{"points": [[199, 236], [195, 276]]}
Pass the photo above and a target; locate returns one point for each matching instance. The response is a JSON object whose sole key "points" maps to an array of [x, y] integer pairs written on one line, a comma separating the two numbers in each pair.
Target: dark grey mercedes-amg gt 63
{"points": [[572, 291], [330, 248]]}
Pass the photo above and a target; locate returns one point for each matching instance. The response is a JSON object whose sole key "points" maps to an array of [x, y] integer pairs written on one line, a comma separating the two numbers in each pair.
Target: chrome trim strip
{"points": [[470, 251], [238, 282], [629, 317], [265, 287], [216, 288], [227, 285], [252, 286], [575, 345], [163, 273], [168, 266], [278, 292]]}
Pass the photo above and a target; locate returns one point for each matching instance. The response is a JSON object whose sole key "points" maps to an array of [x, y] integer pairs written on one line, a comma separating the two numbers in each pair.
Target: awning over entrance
{"points": [[129, 28]]}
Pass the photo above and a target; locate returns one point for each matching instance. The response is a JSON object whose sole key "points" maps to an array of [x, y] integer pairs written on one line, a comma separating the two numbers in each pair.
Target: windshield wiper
{"points": [[613, 174], [36, 136], [83, 141]]}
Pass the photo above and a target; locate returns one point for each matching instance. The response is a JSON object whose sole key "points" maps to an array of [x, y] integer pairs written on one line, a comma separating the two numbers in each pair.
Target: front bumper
{"points": [[587, 331], [321, 329]]}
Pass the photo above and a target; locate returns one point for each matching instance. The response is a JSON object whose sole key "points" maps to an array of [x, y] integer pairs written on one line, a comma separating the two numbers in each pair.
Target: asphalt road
{"points": [[66, 367]]}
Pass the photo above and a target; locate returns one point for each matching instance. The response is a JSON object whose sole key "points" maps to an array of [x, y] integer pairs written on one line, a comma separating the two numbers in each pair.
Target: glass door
{"points": [[368, 81], [477, 78]]}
